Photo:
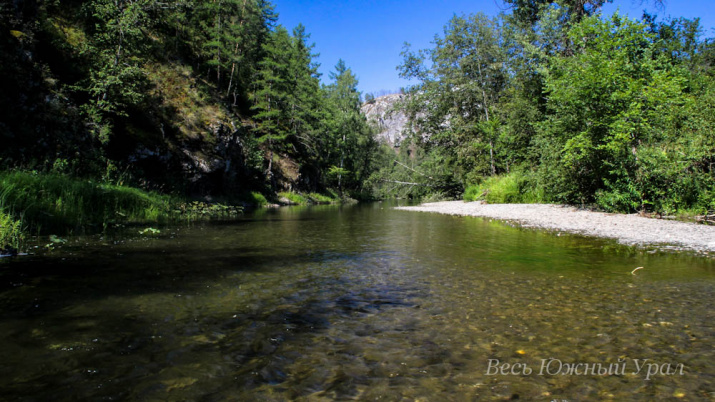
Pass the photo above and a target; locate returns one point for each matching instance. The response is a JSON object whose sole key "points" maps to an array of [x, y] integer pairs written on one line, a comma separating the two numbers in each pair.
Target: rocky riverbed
{"points": [[627, 229]]}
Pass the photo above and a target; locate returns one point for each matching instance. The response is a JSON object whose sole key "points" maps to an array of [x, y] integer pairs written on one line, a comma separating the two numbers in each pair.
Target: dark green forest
{"points": [[180, 99], [115, 110], [189, 96]]}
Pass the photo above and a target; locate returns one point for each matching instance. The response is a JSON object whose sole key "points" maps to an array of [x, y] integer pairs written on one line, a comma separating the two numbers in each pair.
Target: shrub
{"points": [[512, 188], [472, 193]]}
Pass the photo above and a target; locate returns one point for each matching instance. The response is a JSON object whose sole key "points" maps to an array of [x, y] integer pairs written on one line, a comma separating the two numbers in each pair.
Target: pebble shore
{"points": [[627, 229]]}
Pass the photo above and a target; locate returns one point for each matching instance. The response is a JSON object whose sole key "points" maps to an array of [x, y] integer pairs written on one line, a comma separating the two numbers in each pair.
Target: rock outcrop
{"points": [[390, 121]]}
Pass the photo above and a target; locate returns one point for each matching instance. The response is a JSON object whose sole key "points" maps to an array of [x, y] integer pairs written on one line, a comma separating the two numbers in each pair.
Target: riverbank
{"points": [[46, 204], [627, 229], [34, 204]]}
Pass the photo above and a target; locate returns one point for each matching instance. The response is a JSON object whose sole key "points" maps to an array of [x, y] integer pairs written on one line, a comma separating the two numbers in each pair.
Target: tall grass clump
{"points": [[258, 199], [512, 188], [310, 198], [294, 198], [11, 234], [318, 198], [58, 203]]}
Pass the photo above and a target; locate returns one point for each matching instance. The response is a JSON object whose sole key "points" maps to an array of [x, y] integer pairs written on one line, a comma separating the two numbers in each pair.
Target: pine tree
{"points": [[305, 100], [272, 94], [351, 136]]}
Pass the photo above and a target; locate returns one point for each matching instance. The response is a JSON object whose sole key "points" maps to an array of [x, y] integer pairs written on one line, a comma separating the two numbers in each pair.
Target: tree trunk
{"points": [[218, 48], [485, 106], [340, 173]]}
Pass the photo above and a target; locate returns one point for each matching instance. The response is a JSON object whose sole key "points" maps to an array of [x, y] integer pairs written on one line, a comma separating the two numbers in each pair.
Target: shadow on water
{"points": [[54, 283], [138, 318], [359, 302], [181, 263]]}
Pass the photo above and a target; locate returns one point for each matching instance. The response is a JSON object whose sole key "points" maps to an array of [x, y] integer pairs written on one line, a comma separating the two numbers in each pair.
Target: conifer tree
{"points": [[352, 139]]}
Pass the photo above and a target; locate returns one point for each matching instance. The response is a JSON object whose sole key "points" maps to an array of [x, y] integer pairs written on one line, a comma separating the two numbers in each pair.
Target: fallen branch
{"points": [[418, 172], [407, 183], [707, 219]]}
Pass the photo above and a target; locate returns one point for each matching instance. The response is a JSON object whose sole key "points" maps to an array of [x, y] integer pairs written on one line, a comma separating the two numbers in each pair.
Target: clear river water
{"points": [[359, 302]]}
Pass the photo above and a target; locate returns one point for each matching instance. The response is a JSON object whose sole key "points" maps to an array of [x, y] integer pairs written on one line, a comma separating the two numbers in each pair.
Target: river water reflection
{"points": [[355, 302]]}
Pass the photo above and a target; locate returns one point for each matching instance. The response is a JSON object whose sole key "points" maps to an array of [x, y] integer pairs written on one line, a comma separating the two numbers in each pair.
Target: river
{"points": [[355, 302]]}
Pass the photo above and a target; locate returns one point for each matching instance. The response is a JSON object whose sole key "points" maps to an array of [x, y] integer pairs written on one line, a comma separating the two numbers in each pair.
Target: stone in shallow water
{"points": [[179, 383]]}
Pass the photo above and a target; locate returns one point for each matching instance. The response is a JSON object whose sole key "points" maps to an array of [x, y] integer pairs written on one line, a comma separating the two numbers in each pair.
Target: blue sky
{"points": [[369, 34]]}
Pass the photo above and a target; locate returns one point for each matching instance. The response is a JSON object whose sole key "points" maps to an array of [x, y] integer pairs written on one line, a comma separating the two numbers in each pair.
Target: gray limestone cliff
{"points": [[389, 120]]}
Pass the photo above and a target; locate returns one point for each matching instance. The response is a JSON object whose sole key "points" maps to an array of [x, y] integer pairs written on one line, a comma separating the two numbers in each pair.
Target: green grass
{"points": [[258, 199], [250, 198], [511, 188], [310, 198], [294, 198], [59, 204], [11, 233], [318, 198]]}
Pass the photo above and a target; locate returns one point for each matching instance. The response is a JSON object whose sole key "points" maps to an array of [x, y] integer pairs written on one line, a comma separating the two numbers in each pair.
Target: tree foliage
{"points": [[215, 89], [351, 145], [580, 108], [461, 81]]}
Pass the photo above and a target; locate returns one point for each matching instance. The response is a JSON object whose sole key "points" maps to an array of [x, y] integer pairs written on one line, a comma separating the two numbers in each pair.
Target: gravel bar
{"points": [[627, 229]]}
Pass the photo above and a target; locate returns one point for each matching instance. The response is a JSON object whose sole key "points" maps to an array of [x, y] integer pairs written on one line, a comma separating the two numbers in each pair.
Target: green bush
{"points": [[472, 193], [511, 188]]}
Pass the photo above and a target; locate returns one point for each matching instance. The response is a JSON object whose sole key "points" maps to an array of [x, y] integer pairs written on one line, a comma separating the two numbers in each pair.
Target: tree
{"points": [[527, 12], [288, 103], [229, 35], [270, 98], [605, 102], [115, 80], [305, 99], [351, 143], [453, 105]]}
